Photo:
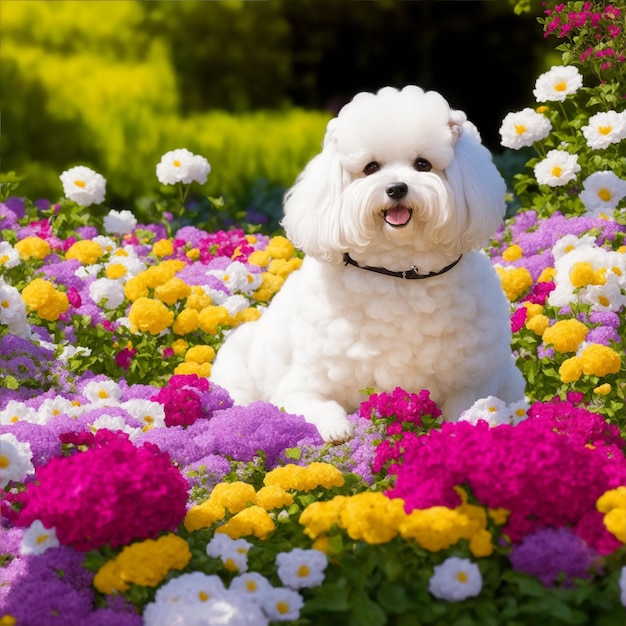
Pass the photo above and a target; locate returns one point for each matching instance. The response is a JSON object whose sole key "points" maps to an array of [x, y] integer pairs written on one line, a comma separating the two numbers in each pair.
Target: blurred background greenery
{"points": [[250, 85]]}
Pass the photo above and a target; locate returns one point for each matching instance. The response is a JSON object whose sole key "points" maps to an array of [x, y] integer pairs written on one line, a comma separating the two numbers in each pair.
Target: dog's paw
{"points": [[335, 431]]}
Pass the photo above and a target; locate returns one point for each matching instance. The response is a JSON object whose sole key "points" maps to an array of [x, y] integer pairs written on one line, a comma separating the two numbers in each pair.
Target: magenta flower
{"points": [[124, 358]]}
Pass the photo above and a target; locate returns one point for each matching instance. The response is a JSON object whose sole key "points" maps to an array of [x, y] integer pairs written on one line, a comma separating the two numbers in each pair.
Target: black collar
{"points": [[411, 273]]}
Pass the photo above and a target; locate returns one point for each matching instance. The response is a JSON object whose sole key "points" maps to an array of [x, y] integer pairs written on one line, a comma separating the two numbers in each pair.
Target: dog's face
{"points": [[398, 168]]}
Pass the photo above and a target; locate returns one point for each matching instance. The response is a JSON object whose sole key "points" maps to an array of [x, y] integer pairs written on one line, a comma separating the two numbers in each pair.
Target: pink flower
{"points": [[124, 358]]}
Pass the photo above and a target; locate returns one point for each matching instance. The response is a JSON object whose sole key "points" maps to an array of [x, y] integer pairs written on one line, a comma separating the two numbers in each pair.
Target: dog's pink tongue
{"points": [[398, 216]]}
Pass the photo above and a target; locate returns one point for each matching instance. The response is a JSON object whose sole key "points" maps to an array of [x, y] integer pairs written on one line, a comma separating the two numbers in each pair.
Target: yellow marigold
{"points": [[547, 276], [254, 520], [202, 370], [204, 515], [186, 322], [515, 281], [280, 247], [108, 579], [571, 370], [135, 288], [513, 253], [320, 474], [86, 251], [260, 258], [269, 286], [163, 247], [565, 335], [319, 517], [603, 390], [499, 515], [173, 290], [273, 497], [41, 296], [600, 360], [115, 271], [180, 346], [583, 274], [193, 254], [532, 309], [235, 496], [198, 299], [247, 315], [283, 267], [321, 543], [157, 275], [32, 248], [148, 315], [437, 528], [481, 544], [200, 354], [372, 517], [613, 504], [538, 324], [213, 316], [284, 476]]}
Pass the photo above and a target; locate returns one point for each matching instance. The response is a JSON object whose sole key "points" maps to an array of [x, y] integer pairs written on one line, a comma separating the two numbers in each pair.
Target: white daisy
{"points": [[602, 192], [115, 423], [252, 584], [83, 186], [301, 568], [558, 168], [52, 407], [12, 307], [182, 166], [15, 459], [9, 256], [16, 411], [557, 83], [567, 243], [604, 129], [282, 605], [190, 588], [151, 414], [455, 580], [107, 293], [524, 128], [37, 539], [119, 222], [518, 412], [232, 552], [490, 409], [99, 390], [108, 244]]}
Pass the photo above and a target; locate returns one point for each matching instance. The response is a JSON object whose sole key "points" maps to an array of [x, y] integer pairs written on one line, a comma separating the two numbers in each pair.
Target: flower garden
{"points": [[134, 492]]}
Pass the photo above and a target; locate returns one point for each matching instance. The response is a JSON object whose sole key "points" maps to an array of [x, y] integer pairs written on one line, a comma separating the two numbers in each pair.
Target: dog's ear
{"points": [[479, 189], [312, 206]]}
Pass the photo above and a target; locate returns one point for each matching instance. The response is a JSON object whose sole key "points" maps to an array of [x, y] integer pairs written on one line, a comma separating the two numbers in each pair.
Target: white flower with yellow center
{"points": [[604, 129], [232, 552], [151, 414], [558, 168], [557, 83], [16, 411], [99, 391], [9, 256], [37, 539], [301, 568], [115, 423], [51, 407], [182, 166], [282, 605], [119, 222], [568, 243], [456, 579], [15, 459], [602, 192], [13, 311], [490, 409], [251, 584], [83, 186], [523, 128]]}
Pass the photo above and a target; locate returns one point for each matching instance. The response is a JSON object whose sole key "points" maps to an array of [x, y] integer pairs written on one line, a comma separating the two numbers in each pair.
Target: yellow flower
{"points": [[499, 515], [32, 248], [600, 360], [437, 528], [583, 274], [571, 370], [202, 370], [235, 496], [213, 316], [198, 299], [565, 335], [115, 271], [254, 520], [613, 504], [603, 390], [269, 286], [41, 296], [282, 267], [186, 322], [180, 346], [532, 309], [109, 580], [204, 515], [200, 354], [85, 251], [273, 497], [513, 253], [163, 247], [260, 258], [171, 291], [515, 281], [135, 288], [280, 247], [372, 517], [538, 324], [319, 517], [547, 276], [247, 315], [305, 478], [148, 315]]}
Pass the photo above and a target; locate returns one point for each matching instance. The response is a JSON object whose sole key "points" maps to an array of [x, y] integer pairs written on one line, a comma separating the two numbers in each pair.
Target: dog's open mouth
{"points": [[398, 216]]}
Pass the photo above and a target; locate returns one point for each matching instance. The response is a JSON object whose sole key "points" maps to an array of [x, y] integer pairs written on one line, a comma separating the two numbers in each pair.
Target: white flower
{"points": [[232, 552], [557, 83], [282, 605], [523, 128], [235, 304], [191, 588], [12, 307], [455, 580], [88, 271], [490, 409], [518, 412], [37, 539], [83, 186], [69, 352], [9, 256], [15, 459], [567, 243], [252, 584], [119, 222], [301, 568], [115, 423], [152, 414], [622, 585], [604, 129], [237, 278], [107, 293], [16, 411], [602, 192], [58, 405], [558, 168], [102, 390], [182, 166]]}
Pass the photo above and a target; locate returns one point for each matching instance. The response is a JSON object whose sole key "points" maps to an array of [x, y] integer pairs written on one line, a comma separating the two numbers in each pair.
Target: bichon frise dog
{"points": [[394, 289]]}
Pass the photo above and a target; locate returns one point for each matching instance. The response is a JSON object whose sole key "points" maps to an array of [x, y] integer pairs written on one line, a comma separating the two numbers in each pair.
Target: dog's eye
{"points": [[422, 165], [371, 168]]}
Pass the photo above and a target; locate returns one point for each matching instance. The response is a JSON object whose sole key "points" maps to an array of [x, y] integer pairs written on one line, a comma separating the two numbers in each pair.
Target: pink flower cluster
{"points": [[113, 493], [548, 471], [182, 399]]}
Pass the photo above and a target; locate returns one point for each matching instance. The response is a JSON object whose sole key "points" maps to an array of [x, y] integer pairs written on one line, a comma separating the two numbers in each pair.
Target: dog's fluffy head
{"points": [[399, 169]]}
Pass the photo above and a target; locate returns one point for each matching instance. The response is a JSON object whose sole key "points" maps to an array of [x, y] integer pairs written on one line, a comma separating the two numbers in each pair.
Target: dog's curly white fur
{"points": [[402, 182]]}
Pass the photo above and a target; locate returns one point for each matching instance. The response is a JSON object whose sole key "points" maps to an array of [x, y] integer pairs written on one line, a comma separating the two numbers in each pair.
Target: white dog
{"points": [[394, 289]]}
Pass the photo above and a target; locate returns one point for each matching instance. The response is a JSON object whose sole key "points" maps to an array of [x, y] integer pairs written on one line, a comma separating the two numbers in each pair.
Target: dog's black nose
{"points": [[397, 190]]}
